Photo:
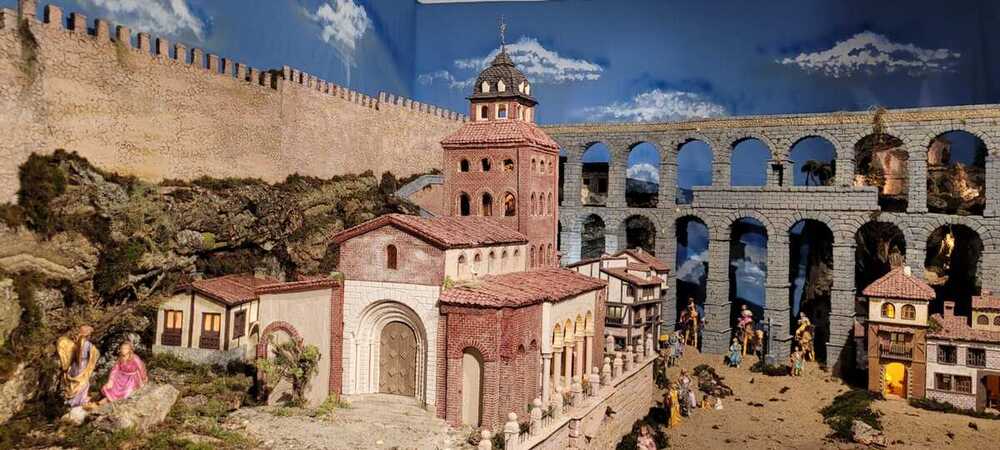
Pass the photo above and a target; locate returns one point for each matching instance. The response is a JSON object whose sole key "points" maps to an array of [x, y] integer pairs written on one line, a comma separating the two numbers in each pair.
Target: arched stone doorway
{"points": [[882, 162], [398, 360], [472, 387], [747, 268], [894, 380]]}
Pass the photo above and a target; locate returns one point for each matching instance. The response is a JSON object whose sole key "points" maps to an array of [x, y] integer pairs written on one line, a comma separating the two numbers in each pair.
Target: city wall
{"points": [[141, 105]]}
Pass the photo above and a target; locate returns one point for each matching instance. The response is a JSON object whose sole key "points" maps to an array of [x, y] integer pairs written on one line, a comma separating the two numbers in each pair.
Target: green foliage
{"points": [[90, 438], [223, 184], [29, 336], [777, 370], [333, 402], [12, 215], [945, 407], [847, 407], [116, 264], [293, 362], [41, 181]]}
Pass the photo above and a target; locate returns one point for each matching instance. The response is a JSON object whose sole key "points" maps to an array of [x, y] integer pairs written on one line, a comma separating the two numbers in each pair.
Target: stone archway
{"points": [[388, 326]]}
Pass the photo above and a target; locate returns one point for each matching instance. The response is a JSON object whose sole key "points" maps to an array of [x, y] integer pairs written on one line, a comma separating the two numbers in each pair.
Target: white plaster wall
{"points": [[204, 305], [553, 313], [513, 264], [179, 302], [247, 340], [309, 313], [361, 343], [875, 311]]}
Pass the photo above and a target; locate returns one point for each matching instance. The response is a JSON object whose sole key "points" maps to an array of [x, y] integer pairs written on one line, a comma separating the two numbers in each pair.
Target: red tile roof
{"points": [[442, 232], [522, 288], [986, 301], [237, 289], [956, 328], [584, 262], [499, 132], [900, 285], [646, 258], [622, 274]]}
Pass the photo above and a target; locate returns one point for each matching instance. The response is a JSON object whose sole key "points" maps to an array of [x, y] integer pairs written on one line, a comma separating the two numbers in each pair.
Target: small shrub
{"points": [[41, 181], [115, 264], [333, 402], [778, 370], [847, 407], [293, 362]]}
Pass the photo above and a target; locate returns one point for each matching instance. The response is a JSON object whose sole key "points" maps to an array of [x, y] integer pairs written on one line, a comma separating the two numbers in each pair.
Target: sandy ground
{"points": [[759, 416]]}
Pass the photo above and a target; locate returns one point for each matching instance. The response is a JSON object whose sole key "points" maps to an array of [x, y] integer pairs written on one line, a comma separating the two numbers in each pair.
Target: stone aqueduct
{"points": [[843, 207]]}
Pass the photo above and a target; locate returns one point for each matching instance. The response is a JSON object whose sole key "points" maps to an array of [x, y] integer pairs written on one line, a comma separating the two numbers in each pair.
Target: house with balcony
{"points": [[963, 355], [896, 333], [637, 285]]}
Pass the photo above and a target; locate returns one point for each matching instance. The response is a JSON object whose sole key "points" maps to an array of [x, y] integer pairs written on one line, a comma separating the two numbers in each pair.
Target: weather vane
{"points": [[503, 31]]}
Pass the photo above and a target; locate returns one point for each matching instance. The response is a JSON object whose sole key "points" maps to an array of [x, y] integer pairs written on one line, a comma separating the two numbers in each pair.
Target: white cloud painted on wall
{"points": [[166, 17], [644, 172], [539, 64], [656, 106], [873, 53], [693, 269], [343, 23]]}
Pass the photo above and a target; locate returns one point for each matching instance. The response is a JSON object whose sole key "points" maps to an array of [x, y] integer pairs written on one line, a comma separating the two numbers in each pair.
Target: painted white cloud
{"points": [[873, 53], [343, 23], [750, 272], [644, 172], [539, 64], [656, 106], [693, 269], [167, 17]]}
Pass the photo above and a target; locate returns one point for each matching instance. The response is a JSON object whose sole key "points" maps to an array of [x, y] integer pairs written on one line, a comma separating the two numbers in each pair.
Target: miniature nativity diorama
{"points": [[645, 237]]}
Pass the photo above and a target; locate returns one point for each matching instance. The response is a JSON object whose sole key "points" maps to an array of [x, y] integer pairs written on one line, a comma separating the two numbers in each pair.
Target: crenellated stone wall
{"points": [[843, 207], [141, 105]]}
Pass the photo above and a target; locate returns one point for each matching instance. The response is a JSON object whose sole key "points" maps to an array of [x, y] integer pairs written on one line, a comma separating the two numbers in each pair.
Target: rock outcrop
{"points": [[18, 389], [143, 410], [10, 310], [865, 434]]}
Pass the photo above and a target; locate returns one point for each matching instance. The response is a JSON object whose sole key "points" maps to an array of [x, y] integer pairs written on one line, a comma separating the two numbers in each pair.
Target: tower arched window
{"points": [[464, 204], [908, 312], [391, 261], [508, 165], [463, 268], [534, 204], [487, 206], [502, 111], [504, 264], [485, 164], [996, 321], [552, 205], [484, 112], [509, 205], [477, 264], [492, 268], [485, 86], [888, 311], [534, 165], [531, 251], [463, 165]]}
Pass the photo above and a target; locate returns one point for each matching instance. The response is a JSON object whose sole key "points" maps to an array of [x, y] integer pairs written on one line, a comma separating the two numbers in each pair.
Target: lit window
{"points": [[888, 311]]}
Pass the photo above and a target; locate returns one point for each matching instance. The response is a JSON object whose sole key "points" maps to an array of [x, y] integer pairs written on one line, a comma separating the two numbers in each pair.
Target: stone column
{"points": [[572, 175], [589, 347], [777, 305], [569, 240], [611, 242], [844, 175], [557, 356], [842, 308], [992, 186], [616, 175], [546, 383], [720, 170], [916, 179], [567, 370], [780, 172], [715, 336], [668, 182], [581, 359]]}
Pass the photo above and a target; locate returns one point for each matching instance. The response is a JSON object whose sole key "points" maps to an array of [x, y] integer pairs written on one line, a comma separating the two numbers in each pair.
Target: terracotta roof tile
{"points": [[646, 258], [241, 288], [899, 284], [499, 132], [522, 288], [443, 232], [956, 328], [986, 301], [623, 274]]}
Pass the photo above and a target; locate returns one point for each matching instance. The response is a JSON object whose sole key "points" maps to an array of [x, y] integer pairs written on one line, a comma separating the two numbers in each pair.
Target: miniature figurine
{"points": [[745, 324], [706, 401], [675, 406], [678, 345], [691, 327], [645, 441], [804, 336], [735, 353], [758, 344], [686, 393], [127, 375], [718, 403], [78, 360], [797, 361]]}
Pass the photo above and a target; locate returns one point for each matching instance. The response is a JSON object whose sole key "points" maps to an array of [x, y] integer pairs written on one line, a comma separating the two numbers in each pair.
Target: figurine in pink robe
{"points": [[127, 376]]}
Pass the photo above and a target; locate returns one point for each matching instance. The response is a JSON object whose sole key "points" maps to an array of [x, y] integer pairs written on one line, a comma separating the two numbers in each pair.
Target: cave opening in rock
{"points": [[642, 176], [640, 232], [951, 266], [813, 159], [881, 161], [592, 237], [956, 174], [691, 270], [749, 163], [694, 168], [594, 185], [747, 268], [810, 276]]}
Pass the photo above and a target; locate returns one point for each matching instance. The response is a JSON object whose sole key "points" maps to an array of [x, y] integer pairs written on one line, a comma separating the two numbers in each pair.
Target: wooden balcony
{"points": [[896, 350]]}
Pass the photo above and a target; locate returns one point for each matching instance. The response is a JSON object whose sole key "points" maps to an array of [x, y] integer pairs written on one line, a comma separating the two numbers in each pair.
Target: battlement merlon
{"points": [[157, 48]]}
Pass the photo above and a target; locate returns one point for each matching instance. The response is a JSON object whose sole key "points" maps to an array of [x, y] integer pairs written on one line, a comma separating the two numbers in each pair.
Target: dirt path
{"points": [[761, 416]]}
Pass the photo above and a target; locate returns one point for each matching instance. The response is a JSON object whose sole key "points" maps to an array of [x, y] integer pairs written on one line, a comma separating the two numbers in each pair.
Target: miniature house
{"points": [[963, 359], [637, 286], [896, 335]]}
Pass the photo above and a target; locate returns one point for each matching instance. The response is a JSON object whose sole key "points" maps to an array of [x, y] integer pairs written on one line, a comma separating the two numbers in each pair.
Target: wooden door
{"points": [[398, 360]]}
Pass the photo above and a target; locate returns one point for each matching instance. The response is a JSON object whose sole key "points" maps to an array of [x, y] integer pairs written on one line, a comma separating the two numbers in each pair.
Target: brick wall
{"points": [[337, 340], [363, 258], [143, 112]]}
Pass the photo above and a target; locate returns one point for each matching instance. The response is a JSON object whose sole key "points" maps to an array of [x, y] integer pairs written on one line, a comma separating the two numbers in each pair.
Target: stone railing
{"points": [[558, 424]]}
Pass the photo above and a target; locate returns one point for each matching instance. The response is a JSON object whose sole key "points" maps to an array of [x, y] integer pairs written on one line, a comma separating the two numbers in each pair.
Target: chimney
{"points": [[949, 308]]}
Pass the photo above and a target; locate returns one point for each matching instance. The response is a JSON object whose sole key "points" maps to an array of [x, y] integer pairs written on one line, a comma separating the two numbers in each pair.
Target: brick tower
{"points": [[501, 164]]}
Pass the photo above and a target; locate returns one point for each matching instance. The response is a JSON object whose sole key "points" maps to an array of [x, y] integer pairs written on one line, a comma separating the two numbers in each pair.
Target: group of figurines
{"points": [[748, 339], [78, 359], [682, 399], [804, 350]]}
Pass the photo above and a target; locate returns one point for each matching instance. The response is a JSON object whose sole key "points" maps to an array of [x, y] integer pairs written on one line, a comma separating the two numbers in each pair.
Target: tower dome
{"points": [[502, 79]]}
